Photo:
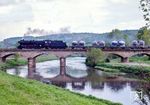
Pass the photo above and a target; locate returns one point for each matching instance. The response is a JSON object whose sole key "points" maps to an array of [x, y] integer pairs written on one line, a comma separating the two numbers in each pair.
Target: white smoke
{"points": [[65, 30], [41, 32]]}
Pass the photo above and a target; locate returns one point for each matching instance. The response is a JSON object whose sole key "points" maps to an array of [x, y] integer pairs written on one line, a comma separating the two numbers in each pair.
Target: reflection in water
{"points": [[116, 87], [19, 71], [79, 78], [97, 85], [78, 85]]}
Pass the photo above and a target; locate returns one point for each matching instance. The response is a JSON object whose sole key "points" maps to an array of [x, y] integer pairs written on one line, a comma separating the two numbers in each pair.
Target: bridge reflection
{"points": [[94, 80], [61, 80]]}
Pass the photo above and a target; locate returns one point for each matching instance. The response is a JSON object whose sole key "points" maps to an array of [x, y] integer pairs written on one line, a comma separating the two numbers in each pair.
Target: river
{"points": [[84, 80]]}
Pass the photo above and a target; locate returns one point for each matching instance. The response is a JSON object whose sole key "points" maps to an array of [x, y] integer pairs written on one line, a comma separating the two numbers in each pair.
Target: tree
{"points": [[144, 34], [16, 57], [145, 7], [94, 56], [126, 38], [115, 33]]}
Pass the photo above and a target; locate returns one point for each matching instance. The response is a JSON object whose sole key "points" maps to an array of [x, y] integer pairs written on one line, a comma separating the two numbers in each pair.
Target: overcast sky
{"points": [[77, 15]]}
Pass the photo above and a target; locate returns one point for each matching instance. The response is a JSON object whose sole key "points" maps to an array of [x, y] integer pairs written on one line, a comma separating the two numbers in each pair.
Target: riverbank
{"points": [[135, 59], [139, 70], [142, 59], [10, 63], [20, 91]]}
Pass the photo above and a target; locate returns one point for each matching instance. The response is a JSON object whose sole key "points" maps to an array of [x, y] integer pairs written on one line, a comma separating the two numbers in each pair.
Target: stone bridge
{"points": [[32, 54]]}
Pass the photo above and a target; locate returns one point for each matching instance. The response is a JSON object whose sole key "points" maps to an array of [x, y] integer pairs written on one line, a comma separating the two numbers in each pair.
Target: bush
{"points": [[94, 56]]}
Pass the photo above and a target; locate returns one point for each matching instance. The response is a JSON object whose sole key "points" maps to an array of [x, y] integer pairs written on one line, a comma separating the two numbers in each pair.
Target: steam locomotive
{"points": [[59, 44], [42, 44]]}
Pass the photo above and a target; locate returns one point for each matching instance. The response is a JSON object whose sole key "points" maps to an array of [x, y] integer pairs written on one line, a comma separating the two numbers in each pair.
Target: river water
{"points": [[81, 79]]}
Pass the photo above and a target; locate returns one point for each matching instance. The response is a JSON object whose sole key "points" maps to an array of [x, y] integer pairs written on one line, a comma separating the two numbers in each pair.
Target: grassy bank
{"points": [[10, 63], [142, 59], [137, 59], [18, 91], [139, 72], [117, 67]]}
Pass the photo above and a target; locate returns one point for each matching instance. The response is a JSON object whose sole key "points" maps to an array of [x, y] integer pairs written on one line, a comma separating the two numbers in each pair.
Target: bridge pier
{"points": [[62, 65], [148, 57], [2, 59], [31, 66], [125, 60]]}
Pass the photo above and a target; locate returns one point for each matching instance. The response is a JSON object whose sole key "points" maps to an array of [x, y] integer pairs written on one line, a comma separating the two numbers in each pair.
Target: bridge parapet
{"points": [[33, 53]]}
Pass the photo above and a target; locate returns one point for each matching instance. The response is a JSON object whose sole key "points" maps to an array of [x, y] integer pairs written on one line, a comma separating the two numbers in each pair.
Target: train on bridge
{"points": [[59, 44]]}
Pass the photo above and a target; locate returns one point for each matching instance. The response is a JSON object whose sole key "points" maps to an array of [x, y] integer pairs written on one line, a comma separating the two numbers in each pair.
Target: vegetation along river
{"points": [[81, 79]]}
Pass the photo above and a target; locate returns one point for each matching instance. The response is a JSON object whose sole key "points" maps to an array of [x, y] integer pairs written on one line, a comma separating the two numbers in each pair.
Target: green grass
{"points": [[107, 69], [18, 91], [116, 67], [138, 59], [142, 59]]}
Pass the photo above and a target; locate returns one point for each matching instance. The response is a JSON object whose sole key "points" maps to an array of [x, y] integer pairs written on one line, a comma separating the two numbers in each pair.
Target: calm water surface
{"points": [[87, 81]]}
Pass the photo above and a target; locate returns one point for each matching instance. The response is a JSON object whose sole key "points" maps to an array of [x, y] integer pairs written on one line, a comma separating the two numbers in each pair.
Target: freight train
{"points": [[59, 44]]}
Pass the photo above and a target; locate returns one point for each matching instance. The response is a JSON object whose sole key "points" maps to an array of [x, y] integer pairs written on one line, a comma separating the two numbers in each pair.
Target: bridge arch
{"points": [[4, 57], [134, 54], [43, 54], [115, 54], [38, 55], [60, 55]]}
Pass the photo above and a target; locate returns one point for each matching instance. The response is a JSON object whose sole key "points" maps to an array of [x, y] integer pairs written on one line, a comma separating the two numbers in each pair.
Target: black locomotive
{"points": [[41, 44]]}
